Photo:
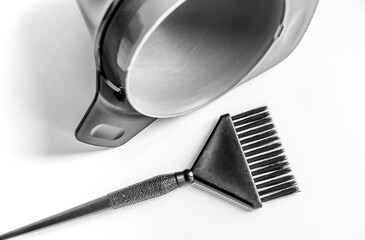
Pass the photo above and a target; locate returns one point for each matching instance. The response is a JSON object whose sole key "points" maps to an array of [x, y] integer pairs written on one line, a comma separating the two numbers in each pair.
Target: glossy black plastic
{"points": [[222, 167], [110, 121]]}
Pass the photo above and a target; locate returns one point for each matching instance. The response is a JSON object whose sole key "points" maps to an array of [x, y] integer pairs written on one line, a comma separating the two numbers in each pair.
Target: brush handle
{"points": [[142, 191]]}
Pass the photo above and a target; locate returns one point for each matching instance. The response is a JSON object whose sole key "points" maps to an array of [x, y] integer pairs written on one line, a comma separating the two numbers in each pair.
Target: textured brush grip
{"points": [[142, 191]]}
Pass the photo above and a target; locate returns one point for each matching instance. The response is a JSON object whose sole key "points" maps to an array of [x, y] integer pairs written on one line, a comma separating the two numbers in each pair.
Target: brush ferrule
{"points": [[184, 178]]}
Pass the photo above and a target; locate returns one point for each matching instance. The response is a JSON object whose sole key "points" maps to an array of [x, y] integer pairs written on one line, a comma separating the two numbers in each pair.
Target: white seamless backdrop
{"points": [[316, 98]]}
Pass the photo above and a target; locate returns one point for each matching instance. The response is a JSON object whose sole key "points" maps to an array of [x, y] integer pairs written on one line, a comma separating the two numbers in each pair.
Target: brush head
{"points": [[244, 161]]}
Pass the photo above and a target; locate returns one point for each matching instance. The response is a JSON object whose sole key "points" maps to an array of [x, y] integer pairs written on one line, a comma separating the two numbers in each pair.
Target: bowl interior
{"points": [[199, 52]]}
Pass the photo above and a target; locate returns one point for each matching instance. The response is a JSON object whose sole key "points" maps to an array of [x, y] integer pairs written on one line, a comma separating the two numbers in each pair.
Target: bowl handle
{"points": [[110, 120]]}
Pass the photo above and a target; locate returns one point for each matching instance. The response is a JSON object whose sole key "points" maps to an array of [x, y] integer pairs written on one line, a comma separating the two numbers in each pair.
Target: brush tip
{"points": [[264, 154]]}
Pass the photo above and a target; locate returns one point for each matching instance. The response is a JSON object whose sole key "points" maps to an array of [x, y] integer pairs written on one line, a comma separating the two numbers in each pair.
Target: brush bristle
{"points": [[264, 154]]}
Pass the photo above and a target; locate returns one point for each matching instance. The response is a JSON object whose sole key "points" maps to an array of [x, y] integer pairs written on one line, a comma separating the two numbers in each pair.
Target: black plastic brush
{"points": [[242, 162]]}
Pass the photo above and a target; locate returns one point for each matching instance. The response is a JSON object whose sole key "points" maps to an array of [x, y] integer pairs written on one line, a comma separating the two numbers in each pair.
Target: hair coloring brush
{"points": [[242, 161]]}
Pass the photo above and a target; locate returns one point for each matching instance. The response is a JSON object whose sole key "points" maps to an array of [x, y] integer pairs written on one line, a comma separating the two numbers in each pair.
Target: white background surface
{"points": [[316, 98]]}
